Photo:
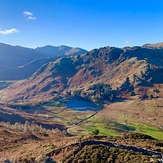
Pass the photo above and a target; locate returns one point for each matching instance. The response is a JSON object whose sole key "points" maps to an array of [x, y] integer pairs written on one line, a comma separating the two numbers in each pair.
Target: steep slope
{"points": [[18, 63], [138, 66], [47, 81], [24, 71]]}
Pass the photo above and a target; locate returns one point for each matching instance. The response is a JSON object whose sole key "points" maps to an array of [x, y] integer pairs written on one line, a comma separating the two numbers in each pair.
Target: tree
{"points": [[77, 92], [151, 96], [132, 93], [95, 132]]}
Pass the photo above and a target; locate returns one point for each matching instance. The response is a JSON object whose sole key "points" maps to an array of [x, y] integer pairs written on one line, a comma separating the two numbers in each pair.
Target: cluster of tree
{"points": [[102, 91], [77, 92], [31, 127], [96, 92]]}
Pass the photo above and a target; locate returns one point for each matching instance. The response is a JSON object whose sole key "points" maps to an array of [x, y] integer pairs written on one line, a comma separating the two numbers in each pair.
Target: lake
{"points": [[82, 105]]}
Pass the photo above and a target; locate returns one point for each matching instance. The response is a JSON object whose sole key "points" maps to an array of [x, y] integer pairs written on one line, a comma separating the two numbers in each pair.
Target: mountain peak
{"points": [[157, 45]]}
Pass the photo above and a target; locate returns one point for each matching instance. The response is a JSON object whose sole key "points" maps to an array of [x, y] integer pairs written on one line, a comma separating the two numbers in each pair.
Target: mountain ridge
{"points": [[14, 59], [110, 65], [59, 50]]}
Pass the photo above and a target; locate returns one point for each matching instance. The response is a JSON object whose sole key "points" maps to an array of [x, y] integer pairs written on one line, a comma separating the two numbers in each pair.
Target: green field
{"points": [[83, 123], [112, 128]]}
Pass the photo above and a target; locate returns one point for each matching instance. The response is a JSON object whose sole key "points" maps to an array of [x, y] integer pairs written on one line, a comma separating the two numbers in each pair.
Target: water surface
{"points": [[82, 105]]}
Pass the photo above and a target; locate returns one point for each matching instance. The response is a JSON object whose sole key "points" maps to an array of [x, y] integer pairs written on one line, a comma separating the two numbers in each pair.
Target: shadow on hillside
{"points": [[120, 99]]}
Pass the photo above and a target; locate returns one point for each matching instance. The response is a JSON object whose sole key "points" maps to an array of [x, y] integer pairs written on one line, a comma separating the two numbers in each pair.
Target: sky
{"points": [[87, 24]]}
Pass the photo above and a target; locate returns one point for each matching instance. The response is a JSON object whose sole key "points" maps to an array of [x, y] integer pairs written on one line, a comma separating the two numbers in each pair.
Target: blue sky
{"points": [[81, 23]]}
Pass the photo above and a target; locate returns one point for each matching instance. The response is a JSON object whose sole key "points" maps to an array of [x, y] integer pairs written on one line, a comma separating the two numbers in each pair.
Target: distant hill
{"points": [[18, 62], [14, 56], [126, 69], [59, 50]]}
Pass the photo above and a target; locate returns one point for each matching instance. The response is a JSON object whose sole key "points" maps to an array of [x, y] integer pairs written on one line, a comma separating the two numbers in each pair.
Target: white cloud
{"points": [[128, 42], [31, 18], [29, 15], [9, 31]]}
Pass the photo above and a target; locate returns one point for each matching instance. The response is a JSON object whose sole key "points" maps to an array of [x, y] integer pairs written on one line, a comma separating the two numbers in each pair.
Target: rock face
{"points": [[122, 68]]}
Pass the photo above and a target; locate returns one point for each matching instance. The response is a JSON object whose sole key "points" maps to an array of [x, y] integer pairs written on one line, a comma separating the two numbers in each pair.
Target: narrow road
{"points": [[82, 120]]}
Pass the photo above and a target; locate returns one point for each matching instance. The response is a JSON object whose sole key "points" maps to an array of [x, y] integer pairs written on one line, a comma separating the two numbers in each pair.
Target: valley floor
{"points": [[128, 116]]}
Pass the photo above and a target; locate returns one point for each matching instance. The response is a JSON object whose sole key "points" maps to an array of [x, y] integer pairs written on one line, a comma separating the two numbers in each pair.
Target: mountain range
{"points": [[18, 62], [138, 69]]}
